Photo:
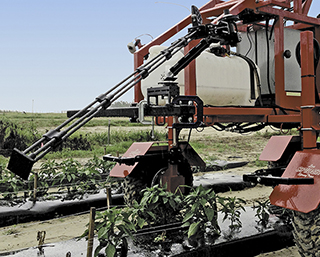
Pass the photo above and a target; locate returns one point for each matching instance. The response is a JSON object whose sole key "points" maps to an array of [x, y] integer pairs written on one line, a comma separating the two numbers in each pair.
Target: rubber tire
{"points": [[133, 185], [306, 232]]}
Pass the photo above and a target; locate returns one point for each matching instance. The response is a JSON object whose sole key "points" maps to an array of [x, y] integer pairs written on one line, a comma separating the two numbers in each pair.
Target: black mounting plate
{"points": [[20, 164]]}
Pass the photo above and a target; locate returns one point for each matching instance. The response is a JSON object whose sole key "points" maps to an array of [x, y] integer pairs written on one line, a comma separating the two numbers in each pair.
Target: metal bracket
{"points": [[199, 112], [132, 160], [272, 177], [141, 119], [274, 181]]}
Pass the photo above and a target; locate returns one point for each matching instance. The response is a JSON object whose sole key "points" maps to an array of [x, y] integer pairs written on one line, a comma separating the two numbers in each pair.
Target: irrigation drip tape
{"points": [[45, 210]]}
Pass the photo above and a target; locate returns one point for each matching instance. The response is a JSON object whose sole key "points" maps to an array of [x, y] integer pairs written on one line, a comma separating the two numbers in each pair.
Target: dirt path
{"points": [[24, 235]]}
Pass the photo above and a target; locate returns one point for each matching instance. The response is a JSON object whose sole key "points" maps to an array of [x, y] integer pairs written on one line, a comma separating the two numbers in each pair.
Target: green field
{"points": [[91, 140]]}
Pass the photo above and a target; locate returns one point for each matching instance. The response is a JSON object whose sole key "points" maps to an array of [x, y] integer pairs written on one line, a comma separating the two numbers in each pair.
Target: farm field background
{"points": [[209, 143]]}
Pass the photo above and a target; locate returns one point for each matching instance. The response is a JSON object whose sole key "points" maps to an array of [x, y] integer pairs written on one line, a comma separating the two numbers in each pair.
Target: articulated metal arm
{"points": [[21, 162]]}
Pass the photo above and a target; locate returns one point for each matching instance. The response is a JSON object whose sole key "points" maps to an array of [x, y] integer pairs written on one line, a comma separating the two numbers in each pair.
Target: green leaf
{"points": [[152, 215], [102, 232], [140, 222], [188, 216], [193, 229], [203, 202], [172, 204], [97, 250], [195, 207], [209, 213], [155, 199], [110, 250], [187, 224]]}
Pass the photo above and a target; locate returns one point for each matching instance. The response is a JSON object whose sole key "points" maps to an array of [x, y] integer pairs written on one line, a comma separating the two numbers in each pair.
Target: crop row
{"points": [[68, 176]]}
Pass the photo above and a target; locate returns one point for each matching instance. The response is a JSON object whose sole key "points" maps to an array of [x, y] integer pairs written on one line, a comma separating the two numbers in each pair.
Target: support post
{"points": [[35, 187], [138, 61], [109, 198], [91, 231], [109, 124]]}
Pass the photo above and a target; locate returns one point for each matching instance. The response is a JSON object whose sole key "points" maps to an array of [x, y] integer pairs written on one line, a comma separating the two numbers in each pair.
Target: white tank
{"points": [[221, 81]]}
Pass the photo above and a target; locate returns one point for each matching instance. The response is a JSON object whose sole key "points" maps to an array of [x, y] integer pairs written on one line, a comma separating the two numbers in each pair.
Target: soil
{"points": [[239, 147]]}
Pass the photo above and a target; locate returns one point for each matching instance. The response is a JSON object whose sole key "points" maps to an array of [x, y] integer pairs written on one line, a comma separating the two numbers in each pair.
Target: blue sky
{"points": [[58, 55]]}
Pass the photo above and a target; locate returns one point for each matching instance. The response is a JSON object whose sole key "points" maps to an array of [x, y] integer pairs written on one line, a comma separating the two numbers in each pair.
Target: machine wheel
{"points": [[306, 231], [133, 185]]}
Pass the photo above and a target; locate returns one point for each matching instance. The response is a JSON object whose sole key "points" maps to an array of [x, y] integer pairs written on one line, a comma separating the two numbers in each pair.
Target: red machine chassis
{"points": [[300, 108], [234, 114]]}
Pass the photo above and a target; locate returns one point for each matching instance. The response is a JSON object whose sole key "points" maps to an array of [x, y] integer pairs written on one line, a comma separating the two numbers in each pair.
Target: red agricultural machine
{"points": [[243, 65]]}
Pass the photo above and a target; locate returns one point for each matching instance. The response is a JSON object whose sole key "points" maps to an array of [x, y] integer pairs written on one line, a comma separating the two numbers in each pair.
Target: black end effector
{"points": [[196, 17], [20, 164]]}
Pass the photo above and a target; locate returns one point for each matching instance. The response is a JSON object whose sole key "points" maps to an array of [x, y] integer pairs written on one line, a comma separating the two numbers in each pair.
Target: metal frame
{"points": [[301, 110], [234, 114]]}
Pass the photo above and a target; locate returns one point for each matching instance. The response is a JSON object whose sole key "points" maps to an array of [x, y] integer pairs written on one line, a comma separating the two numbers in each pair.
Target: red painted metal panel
{"points": [[303, 198], [275, 148], [122, 171]]}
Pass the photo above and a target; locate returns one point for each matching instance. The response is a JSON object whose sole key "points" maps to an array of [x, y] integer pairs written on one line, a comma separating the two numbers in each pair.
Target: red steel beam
{"points": [[297, 6], [190, 79], [306, 6], [290, 15], [279, 63], [307, 90]]}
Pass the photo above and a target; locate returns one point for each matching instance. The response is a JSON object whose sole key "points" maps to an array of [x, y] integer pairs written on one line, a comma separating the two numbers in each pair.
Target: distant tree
{"points": [[121, 104]]}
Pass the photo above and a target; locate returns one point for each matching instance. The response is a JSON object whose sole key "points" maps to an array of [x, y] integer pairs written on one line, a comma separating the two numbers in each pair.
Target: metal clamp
{"points": [[141, 119], [199, 107]]}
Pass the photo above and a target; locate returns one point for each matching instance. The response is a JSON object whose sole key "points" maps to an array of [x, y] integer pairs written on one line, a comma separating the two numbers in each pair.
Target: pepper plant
{"points": [[113, 226], [201, 212], [231, 208], [159, 206], [262, 212]]}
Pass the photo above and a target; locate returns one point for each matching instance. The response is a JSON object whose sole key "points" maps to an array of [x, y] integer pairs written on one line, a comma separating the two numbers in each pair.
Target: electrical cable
{"points": [[250, 41], [254, 70], [189, 136]]}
